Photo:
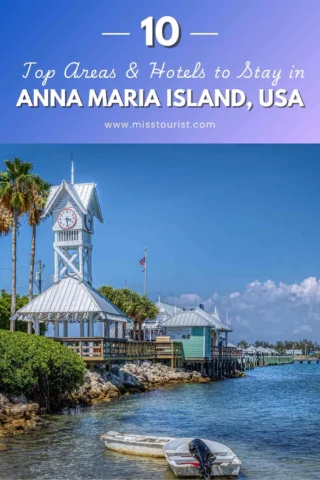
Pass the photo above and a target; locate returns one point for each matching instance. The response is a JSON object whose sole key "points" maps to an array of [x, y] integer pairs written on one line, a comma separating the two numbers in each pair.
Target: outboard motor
{"points": [[202, 453]]}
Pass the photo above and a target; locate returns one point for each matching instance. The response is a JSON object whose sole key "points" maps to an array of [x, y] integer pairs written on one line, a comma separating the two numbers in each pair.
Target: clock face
{"points": [[88, 220], [67, 218]]}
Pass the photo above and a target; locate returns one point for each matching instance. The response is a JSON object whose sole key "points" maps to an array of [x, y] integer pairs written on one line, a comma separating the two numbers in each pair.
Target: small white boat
{"points": [[144, 445], [223, 462]]}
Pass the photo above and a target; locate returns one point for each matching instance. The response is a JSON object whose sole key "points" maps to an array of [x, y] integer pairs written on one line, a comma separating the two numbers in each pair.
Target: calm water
{"points": [[271, 419]]}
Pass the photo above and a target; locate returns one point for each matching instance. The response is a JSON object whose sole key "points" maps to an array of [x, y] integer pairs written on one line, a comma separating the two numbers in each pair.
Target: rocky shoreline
{"points": [[130, 378], [19, 416]]}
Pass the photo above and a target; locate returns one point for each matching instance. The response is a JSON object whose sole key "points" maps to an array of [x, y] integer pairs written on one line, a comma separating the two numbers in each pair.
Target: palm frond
{"points": [[6, 221]]}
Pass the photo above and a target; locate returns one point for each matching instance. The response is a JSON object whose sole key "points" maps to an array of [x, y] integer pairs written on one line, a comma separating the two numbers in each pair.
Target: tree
{"points": [[243, 344], [5, 308], [38, 191], [14, 201], [261, 343], [136, 307]]}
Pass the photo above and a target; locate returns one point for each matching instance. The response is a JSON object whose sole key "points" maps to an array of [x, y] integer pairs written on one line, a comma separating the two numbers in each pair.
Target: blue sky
{"points": [[215, 219]]}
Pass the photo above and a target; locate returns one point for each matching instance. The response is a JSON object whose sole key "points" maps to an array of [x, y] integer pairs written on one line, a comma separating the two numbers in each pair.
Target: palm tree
{"points": [[5, 221], [149, 311], [38, 191], [136, 307], [14, 200]]}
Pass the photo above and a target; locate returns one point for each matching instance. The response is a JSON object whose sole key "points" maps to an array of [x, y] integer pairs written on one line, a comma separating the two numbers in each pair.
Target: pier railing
{"points": [[101, 349], [225, 352], [168, 350]]}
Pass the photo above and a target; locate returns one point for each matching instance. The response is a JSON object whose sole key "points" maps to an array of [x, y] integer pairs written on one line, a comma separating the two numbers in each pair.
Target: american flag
{"points": [[143, 262]]}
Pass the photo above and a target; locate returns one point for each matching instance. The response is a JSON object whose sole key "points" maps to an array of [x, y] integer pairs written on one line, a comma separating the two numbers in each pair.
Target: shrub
{"points": [[40, 368]]}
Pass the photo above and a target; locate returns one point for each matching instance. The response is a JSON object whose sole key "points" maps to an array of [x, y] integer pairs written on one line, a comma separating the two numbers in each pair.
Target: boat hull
{"points": [[144, 451], [184, 465], [217, 471], [141, 445]]}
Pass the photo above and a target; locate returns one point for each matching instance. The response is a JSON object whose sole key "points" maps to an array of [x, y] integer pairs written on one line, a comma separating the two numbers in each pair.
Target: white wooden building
{"points": [[72, 299]]}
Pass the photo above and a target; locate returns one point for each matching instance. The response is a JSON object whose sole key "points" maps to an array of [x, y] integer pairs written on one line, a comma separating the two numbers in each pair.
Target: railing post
{"points": [[81, 327], [116, 329], [65, 328], [56, 327]]}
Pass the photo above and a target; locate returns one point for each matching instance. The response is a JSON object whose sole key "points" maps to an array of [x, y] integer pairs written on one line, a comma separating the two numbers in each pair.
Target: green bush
{"points": [[40, 368]]}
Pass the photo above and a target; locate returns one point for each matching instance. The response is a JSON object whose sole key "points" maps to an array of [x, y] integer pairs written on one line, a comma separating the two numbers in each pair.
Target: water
{"points": [[271, 419]]}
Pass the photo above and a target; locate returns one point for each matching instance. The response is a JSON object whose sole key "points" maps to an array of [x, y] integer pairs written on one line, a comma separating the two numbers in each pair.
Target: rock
{"points": [[33, 407], [18, 399], [97, 388], [18, 423], [115, 370], [2, 447], [3, 400], [17, 411], [128, 378], [18, 418], [4, 417]]}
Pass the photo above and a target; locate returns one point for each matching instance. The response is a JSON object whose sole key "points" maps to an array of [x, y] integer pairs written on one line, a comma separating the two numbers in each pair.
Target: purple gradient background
{"points": [[270, 33]]}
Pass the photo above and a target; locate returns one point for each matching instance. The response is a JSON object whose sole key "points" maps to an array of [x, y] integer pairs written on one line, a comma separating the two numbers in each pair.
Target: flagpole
{"points": [[145, 272]]}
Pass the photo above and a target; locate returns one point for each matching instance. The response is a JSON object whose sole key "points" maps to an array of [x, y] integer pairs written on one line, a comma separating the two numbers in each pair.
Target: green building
{"points": [[198, 331]]}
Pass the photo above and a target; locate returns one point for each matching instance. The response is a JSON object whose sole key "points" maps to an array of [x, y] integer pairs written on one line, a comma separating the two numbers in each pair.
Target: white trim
{"points": [[204, 342], [94, 198], [71, 191]]}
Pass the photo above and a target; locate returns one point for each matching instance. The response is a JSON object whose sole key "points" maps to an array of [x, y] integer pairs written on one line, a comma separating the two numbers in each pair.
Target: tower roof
{"points": [[84, 195], [72, 300]]}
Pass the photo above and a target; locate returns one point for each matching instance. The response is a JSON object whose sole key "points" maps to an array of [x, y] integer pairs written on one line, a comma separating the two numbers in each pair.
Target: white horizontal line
{"points": [[204, 33], [115, 33]]}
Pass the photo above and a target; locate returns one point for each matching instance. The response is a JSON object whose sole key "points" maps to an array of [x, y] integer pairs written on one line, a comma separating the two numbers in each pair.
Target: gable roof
{"points": [[214, 320], [190, 318], [71, 299], [83, 194], [250, 349], [262, 350], [167, 309]]}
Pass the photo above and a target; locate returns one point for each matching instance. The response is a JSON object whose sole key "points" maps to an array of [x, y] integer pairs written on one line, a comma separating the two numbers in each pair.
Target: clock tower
{"points": [[73, 208]]}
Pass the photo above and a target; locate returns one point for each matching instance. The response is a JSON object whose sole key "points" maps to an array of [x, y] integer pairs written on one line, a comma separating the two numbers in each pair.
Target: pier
{"points": [[305, 359], [223, 362]]}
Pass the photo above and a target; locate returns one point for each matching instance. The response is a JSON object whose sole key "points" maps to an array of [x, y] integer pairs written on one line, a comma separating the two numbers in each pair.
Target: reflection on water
{"points": [[270, 419]]}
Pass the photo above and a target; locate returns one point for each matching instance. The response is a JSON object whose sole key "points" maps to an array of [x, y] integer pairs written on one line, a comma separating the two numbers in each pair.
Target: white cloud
{"points": [[302, 329], [185, 299], [234, 295], [266, 310]]}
